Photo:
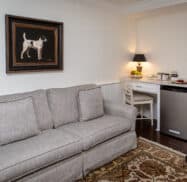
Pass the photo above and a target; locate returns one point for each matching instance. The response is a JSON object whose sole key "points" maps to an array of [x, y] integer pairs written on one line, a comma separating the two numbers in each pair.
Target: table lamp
{"points": [[139, 58]]}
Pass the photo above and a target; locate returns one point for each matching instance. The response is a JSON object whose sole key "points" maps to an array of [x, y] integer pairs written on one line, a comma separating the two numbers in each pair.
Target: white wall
{"points": [[162, 34], [95, 44]]}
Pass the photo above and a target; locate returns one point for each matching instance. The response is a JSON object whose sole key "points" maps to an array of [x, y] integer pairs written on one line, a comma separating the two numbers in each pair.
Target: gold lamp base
{"points": [[139, 67]]}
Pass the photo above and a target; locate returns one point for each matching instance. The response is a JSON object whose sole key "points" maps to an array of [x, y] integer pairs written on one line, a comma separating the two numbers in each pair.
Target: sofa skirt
{"points": [[65, 171], [109, 150]]}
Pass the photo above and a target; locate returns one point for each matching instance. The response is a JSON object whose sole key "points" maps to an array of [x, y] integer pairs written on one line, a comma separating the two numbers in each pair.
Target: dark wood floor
{"points": [[144, 129]]}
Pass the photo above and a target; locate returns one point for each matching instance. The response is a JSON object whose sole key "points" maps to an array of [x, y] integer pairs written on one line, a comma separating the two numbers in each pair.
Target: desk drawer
{"points": [[146, 87]]}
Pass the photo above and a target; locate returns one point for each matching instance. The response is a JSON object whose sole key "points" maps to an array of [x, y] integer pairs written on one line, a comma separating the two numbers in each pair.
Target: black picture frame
{"points": [[33, 44]]}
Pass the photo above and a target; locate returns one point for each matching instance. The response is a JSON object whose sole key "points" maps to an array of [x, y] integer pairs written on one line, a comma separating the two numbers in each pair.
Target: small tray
{"points": [[136, 76]]}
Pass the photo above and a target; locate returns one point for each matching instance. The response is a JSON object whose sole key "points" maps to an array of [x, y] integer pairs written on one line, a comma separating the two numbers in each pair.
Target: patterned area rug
{"points": [[150, 162]]}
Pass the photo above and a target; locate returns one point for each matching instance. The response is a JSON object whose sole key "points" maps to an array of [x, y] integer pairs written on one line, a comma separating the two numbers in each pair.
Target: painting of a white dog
{"points": [[32, 44]]}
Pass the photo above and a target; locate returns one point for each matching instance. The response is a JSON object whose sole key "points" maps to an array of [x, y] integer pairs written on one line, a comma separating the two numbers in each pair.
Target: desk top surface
{"points": [[157, 82]]}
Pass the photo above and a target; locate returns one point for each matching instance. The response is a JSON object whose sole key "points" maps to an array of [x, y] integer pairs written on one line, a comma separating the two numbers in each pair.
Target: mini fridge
{"points": [[174, 111]]}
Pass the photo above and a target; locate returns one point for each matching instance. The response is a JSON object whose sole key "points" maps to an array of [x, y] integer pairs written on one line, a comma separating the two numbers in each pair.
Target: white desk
{"points": [[151, 87]]}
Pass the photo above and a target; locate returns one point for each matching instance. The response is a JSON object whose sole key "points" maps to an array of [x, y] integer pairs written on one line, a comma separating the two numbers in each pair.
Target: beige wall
{"points": [[95, 44], [162, 34]]}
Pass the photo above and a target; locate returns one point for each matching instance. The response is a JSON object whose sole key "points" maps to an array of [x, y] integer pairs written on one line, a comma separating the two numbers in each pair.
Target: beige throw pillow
{"points": [[17, 120], [91, 104]]}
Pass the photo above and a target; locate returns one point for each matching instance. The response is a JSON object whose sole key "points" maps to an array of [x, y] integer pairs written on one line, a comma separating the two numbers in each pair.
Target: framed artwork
{"points": [[33, 44]]}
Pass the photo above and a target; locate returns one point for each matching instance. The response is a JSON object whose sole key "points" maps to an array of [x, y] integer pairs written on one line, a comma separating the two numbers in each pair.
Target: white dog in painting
{"points": [[33, 44]]}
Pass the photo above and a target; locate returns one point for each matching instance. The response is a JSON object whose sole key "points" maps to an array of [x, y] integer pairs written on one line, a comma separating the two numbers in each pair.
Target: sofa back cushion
{"points": [[63, 104], [91, 104], [40, 103], [17, 120]]}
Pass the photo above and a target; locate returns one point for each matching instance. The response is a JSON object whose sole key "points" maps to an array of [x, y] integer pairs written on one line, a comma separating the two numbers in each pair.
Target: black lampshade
{"points": [[139, 58]]}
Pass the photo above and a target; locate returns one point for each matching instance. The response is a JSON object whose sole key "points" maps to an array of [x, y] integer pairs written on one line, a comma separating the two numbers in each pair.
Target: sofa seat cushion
{"points": [[98, 130], [23, 157]]}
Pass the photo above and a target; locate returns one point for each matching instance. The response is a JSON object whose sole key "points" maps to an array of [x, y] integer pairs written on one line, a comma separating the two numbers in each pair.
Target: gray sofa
{"points": [[62, 148]]}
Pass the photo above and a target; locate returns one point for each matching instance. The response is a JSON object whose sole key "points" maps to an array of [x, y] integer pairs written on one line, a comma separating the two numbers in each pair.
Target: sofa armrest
{"points": [[123, 110]]}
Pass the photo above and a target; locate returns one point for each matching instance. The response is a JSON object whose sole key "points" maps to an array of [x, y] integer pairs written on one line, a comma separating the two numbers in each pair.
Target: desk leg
{"points": [[158, 111]]}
